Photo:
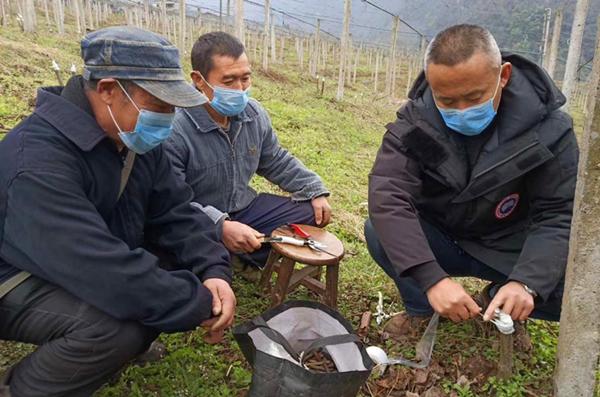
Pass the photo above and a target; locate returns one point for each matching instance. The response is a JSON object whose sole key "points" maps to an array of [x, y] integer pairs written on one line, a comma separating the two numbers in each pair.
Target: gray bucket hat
{"points": [[146, 58]]}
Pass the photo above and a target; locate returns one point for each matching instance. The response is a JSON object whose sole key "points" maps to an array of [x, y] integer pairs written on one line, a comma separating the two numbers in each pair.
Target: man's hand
{"points": [[322, 211], [223, 309], [239, 238], [513, 300], [449, 299]]}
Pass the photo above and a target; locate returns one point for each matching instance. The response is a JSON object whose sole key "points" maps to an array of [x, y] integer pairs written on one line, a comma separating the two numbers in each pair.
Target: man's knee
{"points": [[373, 244], [121, 341], [305, 214]]}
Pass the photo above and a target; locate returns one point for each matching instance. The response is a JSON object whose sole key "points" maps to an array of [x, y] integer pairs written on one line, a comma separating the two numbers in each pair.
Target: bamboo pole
{"points": [[88, 10], [546, 37], [376, 78], [266, 33], [393, 43], [344, 49], [59, 16], [554, 46], [76, 12], [581, 11], [239, 20], [579, 337], [28, 16], [4, 13], [273, 46], [356, 63], [46, 12], [163, 17], [314, 61], [182, 17]]}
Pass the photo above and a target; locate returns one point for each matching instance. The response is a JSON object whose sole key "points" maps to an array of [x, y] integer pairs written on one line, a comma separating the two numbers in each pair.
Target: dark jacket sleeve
{"points": [[53, 231], [393, 183], [187, 234], [551, 187]]}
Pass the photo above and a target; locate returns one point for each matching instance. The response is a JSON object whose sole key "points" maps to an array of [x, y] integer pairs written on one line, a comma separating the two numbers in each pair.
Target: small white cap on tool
{"points": [[377, 354], [503, 322]]}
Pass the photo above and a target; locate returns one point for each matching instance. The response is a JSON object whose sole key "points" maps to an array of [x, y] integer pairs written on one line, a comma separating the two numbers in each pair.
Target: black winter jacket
{"points": [[512, 210]]}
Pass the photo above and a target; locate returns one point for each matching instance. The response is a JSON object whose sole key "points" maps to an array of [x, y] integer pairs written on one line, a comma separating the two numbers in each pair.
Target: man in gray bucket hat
{"points": [[80, 222]]}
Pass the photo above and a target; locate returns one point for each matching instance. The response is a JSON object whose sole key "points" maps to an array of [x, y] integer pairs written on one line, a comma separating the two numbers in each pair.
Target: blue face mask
{"points": [[227, 101], [151, 129], [473, 120]]}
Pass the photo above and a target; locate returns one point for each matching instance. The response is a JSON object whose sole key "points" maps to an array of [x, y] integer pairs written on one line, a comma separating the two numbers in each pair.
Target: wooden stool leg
{"points": [[319, 273], [265, 279], [331, 285], [283, 280]]}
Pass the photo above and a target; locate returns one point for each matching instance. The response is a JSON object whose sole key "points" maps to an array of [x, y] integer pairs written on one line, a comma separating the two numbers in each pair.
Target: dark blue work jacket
{"points": [[61, 219]]}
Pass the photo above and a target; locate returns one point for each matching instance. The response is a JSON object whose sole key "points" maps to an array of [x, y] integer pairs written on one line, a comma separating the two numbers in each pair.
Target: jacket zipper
{"points": [[226, 135], [229, 139]]}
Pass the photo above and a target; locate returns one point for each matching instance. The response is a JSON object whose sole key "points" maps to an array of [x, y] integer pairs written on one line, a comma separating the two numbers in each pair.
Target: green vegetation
{"points": [[338, 140]]}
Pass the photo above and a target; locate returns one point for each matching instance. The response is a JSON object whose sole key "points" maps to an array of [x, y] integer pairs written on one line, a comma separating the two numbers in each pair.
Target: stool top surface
{"points": [[305, 254]]}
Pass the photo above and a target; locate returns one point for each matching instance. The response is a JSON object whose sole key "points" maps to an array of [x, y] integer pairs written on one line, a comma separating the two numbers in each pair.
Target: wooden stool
{"points": [[283, 258]]}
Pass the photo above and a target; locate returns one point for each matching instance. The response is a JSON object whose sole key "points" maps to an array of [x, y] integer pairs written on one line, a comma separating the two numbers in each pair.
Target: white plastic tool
{"points": [[423, 350], [378, 355], [503, 322]]}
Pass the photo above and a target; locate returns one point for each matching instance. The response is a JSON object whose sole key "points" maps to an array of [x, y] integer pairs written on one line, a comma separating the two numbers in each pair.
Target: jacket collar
{"points": [[202, 121], [72, 121]]}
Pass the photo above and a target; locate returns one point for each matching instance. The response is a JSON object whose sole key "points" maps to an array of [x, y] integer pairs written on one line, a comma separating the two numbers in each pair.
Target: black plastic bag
{"points": [[277, 342]]}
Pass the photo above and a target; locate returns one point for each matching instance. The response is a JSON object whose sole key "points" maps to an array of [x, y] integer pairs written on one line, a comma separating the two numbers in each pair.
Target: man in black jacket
{"points": [[475, 178], [77, 215]]}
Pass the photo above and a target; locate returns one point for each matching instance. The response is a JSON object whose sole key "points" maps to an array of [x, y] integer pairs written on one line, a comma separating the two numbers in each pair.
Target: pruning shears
{"points": [[306, 237], [301, 238]]}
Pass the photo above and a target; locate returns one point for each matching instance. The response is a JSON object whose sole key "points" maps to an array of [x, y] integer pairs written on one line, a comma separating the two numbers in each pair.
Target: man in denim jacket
{"points": [[219, 146]]}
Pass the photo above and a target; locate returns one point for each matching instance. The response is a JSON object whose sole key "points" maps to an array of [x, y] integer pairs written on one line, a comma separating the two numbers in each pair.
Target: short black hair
{"points": [[459, 43], [214, 43]]}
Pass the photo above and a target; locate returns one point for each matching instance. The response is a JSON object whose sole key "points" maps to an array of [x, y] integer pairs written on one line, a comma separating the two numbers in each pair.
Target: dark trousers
{"points": [[266, 213], [79, 347], [455, 262]]}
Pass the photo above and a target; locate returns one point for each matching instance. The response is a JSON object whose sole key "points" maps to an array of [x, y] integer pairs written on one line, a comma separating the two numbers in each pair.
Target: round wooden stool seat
{"points": [[306, 255], [283, 259]]}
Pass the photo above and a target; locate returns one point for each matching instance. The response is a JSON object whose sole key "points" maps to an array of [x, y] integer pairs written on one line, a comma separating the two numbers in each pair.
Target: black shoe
{"points": [[155, 352]]}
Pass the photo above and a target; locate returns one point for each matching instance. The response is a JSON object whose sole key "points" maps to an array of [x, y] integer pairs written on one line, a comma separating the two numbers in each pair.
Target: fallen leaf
{"points": [[433, 392], [463, 381], [421, 376], [365, 321]]}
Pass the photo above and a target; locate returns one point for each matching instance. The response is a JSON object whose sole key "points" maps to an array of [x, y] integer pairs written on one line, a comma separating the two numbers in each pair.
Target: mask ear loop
{"points": [[132, 102], [207, 83], [128, 97], [498, 84], [113, 119]]}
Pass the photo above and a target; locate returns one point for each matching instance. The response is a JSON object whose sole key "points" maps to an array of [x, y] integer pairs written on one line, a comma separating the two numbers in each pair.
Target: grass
{"points": [[339, 141]]}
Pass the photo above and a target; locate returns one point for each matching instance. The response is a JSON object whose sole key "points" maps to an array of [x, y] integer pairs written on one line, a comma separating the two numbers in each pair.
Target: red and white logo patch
{"points": [[507, 206]]}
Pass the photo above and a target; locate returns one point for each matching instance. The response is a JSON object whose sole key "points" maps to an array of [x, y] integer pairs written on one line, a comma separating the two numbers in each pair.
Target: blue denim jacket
{"points": [[219, 165]]}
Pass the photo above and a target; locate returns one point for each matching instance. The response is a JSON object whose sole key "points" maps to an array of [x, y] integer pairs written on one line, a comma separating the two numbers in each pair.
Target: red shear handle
{"points": [[298, 230]]}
